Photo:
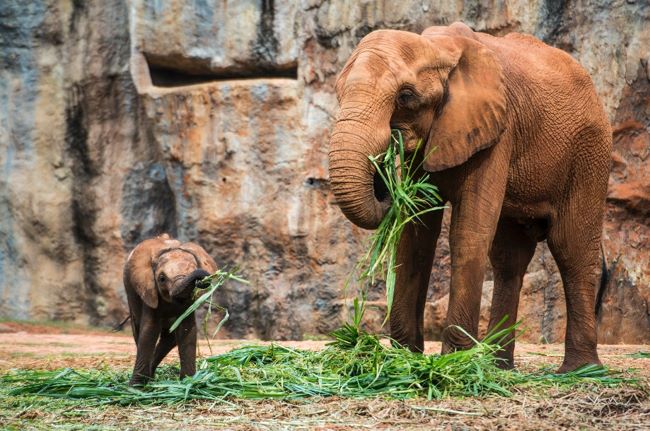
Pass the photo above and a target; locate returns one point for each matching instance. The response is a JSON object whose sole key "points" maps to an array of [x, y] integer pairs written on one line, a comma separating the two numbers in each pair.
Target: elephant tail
{"points": [[119, 326], [604, 279]]}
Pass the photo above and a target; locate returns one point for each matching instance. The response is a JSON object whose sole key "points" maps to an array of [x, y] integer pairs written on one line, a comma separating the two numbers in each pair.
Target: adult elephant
{"points": [[516, 140]]}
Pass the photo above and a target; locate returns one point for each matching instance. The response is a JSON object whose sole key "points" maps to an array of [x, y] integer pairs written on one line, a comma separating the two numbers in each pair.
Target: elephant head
{"points": [[443, 87], [165, 268]]}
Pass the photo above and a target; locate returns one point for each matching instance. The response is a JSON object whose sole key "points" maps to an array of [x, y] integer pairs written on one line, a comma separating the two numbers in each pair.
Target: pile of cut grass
{"points": [[411, 196], [355, 364]]}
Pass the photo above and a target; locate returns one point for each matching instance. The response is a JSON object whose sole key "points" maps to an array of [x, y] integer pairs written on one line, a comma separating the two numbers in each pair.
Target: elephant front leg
{"points": [[186, 340], [414, 259], [467, 273], [475, 214], [148, 334]]}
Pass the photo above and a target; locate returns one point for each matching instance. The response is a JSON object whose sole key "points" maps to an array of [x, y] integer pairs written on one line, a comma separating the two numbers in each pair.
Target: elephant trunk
{"points": [[183, 289], [359, 132]]}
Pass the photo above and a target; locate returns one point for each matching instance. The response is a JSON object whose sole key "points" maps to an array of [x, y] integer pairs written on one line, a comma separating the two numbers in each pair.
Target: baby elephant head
{"points": [[166, 268]]}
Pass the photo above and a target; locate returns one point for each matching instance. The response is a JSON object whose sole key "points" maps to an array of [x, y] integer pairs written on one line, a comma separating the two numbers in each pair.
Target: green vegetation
{"points": [[202, 296], [640, 355], [354, 364], [411, 197]]}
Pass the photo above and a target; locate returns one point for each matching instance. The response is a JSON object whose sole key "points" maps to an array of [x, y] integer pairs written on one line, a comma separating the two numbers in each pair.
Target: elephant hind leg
{"points": [[574, 243], [166, 343], [512, 249]]}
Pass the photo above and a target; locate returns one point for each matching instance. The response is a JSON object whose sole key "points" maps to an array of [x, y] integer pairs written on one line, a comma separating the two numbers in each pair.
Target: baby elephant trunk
{"points": [[183, 290]]}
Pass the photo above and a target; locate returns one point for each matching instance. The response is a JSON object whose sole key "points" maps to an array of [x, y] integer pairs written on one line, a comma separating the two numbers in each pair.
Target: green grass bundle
{"points": [[355, 364], [411, 197], [204, 295]]}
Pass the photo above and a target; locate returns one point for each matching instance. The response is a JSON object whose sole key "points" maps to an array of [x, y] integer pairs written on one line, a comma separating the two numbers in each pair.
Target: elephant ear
{"points": [[202, 257], [138, 270], [472, 116]]}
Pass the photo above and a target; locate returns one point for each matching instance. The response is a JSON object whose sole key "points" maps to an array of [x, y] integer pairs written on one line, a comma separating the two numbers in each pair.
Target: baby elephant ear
{"points": [[472, 117], [138, 271], [205, 261]]}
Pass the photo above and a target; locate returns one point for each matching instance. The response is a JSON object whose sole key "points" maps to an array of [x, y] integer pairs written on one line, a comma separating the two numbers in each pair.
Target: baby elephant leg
{"points": [[147, 336], [166, 343], [186, 340]]}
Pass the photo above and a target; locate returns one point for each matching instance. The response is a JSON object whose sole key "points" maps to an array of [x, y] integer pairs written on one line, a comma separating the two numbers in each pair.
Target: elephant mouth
{"points": [[380, 190]]}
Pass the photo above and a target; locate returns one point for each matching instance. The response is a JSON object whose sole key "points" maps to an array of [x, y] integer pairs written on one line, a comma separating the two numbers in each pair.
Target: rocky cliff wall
{"points": [[210, 120]]}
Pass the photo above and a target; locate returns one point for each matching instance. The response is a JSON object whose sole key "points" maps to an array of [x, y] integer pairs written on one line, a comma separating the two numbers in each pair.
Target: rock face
{"points": [[210, 120]]}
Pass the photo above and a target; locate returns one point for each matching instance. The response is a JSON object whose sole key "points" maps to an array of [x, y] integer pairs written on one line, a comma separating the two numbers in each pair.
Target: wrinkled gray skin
{"points": [[159, 277]]}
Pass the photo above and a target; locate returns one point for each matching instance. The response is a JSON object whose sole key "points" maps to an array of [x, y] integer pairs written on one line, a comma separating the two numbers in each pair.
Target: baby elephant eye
{"points": [[162, 278], [406, 97]]}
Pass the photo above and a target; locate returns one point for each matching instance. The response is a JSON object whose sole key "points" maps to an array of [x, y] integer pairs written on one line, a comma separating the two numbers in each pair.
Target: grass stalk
{"points": [[411, 196], [202, 296]]}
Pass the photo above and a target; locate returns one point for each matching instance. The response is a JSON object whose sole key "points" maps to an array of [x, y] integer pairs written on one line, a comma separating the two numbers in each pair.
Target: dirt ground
{"points": [[49, 347]]}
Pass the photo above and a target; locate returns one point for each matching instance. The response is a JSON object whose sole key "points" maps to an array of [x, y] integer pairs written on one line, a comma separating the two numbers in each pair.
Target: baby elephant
{"points": [[159, 277]]}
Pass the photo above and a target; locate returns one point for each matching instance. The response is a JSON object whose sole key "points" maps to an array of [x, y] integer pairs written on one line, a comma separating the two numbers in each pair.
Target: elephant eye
{"points": [[162, 278], [406, 97]]}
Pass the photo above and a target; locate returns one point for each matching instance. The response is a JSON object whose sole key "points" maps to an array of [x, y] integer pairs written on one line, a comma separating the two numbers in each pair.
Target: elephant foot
{"points": [[574, 359], [184, 374], [409, 339], [505, 358], [454, 339], [413, 346], [505, 364], [138, 380], [400, 344], [572, 364]]}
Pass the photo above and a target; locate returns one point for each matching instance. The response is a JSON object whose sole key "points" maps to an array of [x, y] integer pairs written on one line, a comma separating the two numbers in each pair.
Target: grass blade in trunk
{"points": [[216, 280], [411, 197]]}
